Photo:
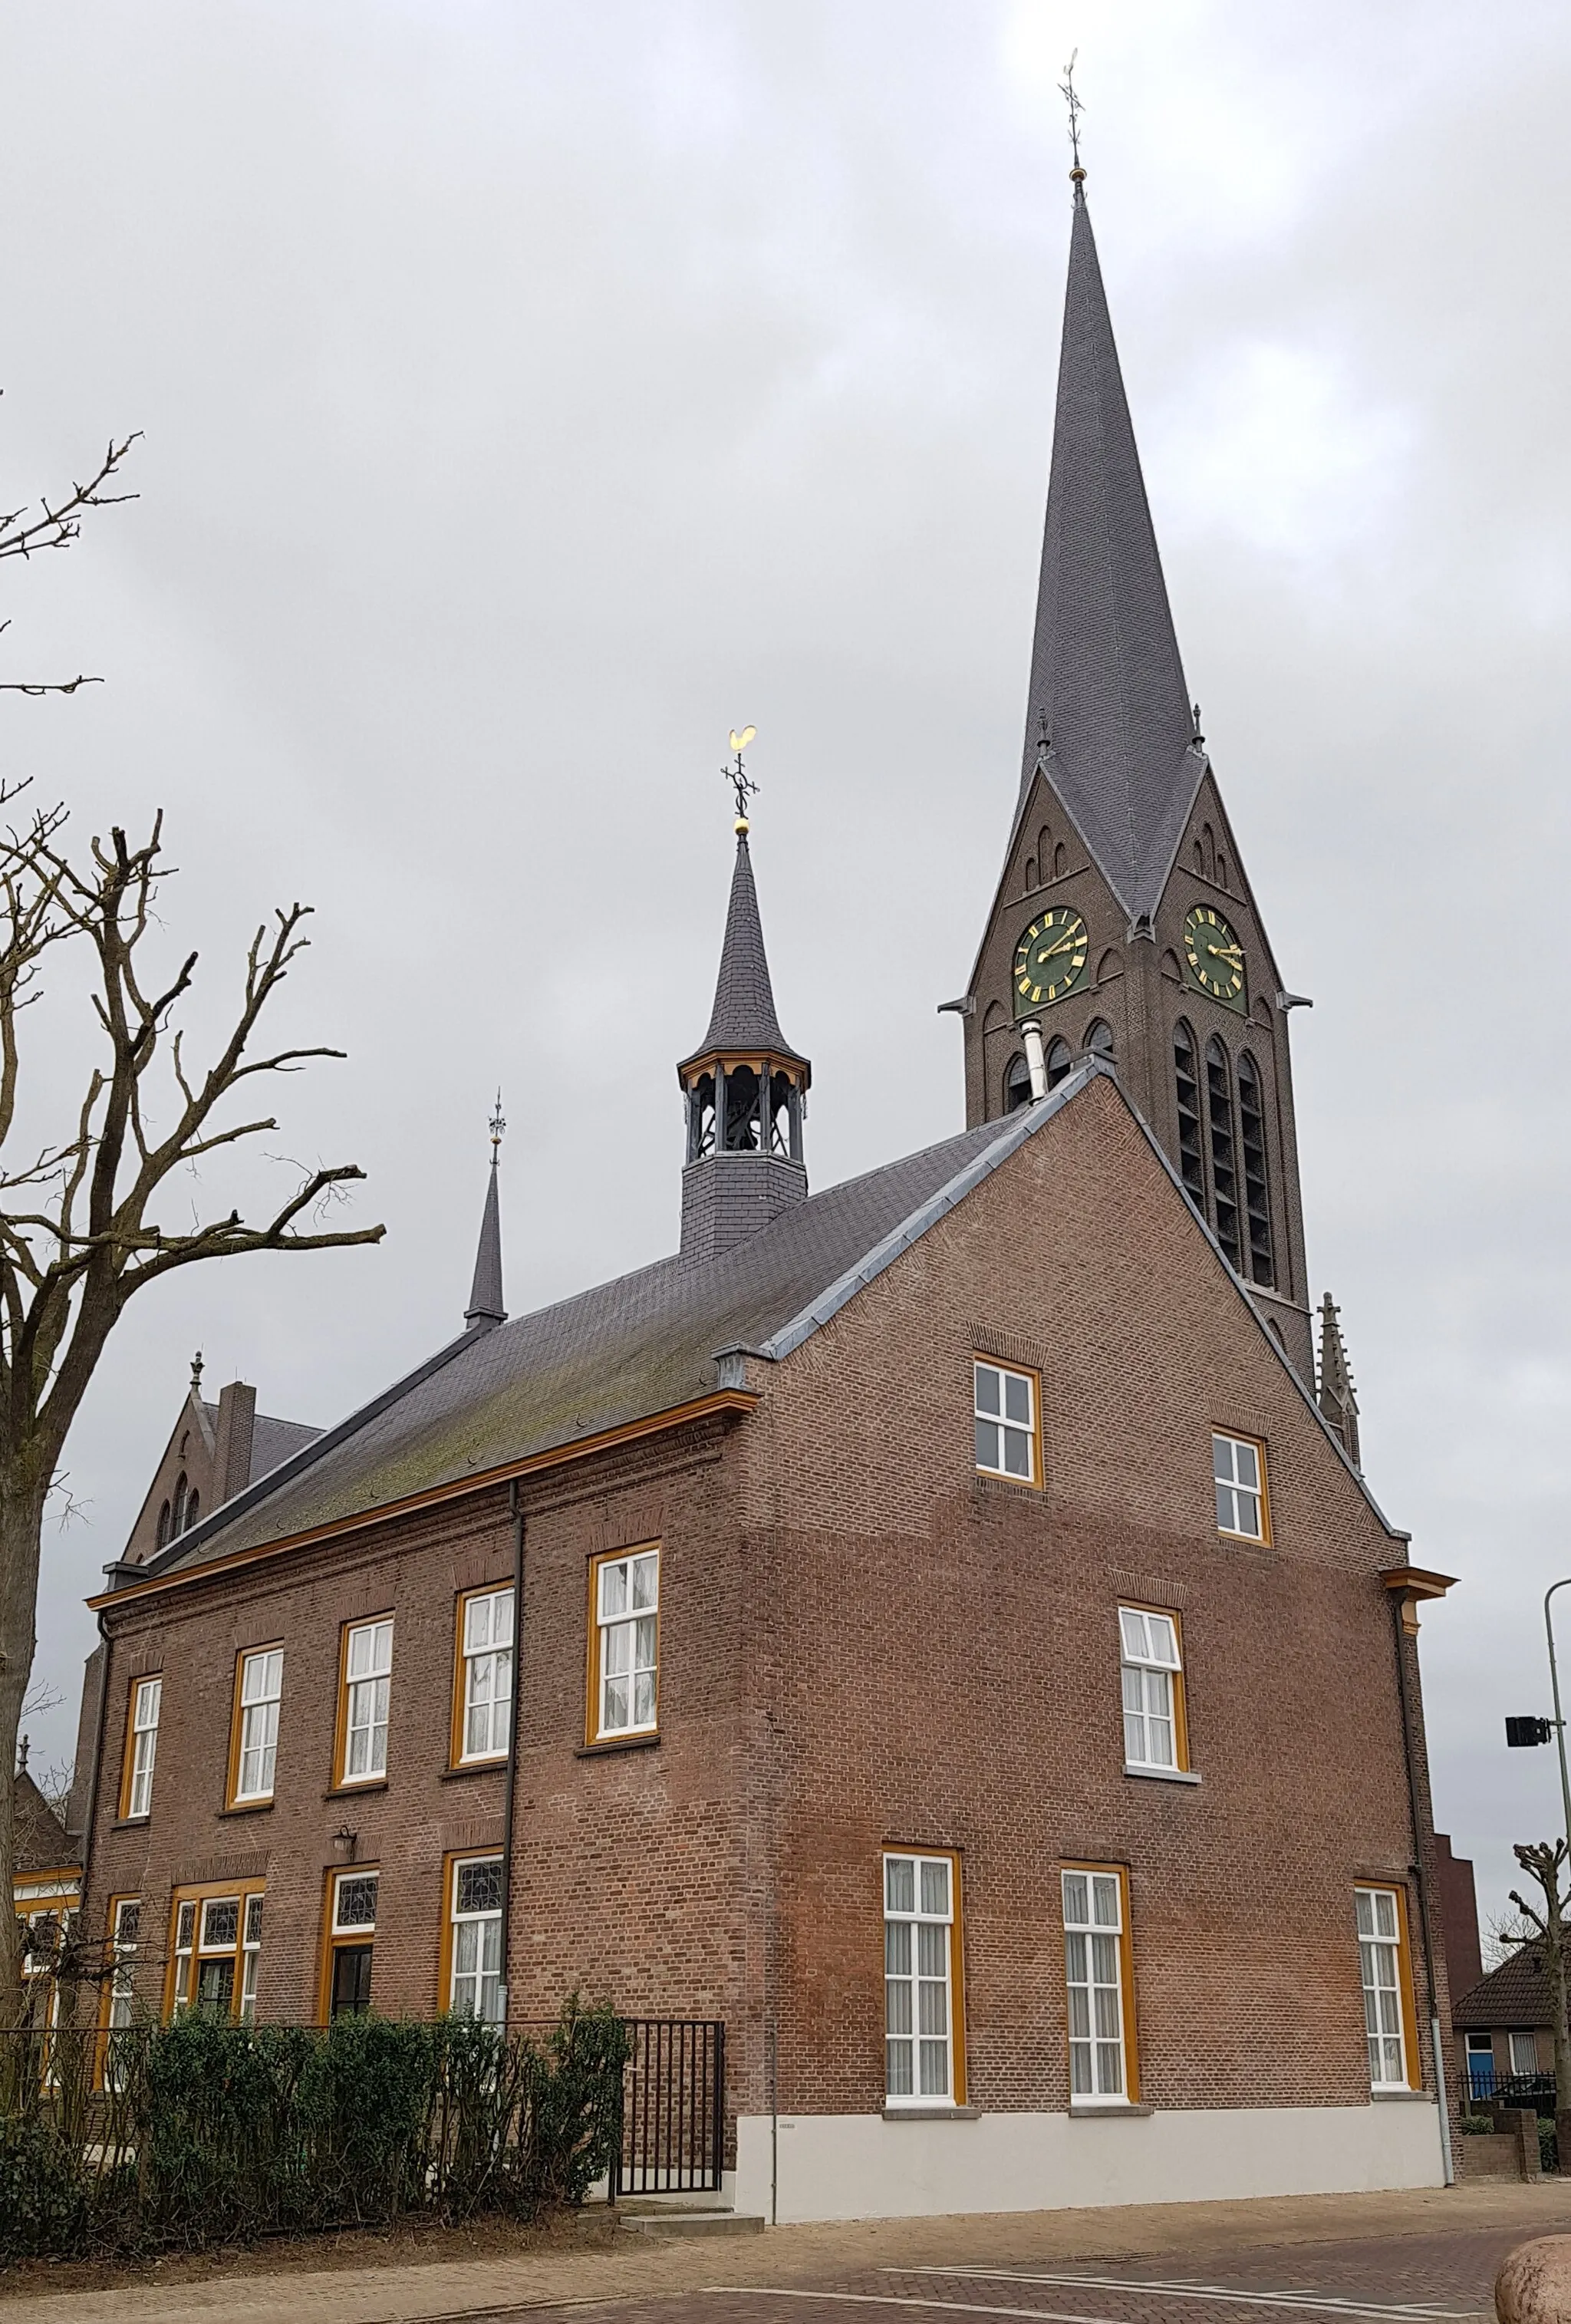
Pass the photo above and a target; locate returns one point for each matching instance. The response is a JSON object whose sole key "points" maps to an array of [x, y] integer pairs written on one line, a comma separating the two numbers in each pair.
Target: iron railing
{"points": [[1481, 2081], [673, 2138]]}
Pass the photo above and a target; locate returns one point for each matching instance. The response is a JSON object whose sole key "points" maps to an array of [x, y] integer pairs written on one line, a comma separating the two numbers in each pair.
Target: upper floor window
{"points": [[624, 1643], [1387, 1978], [485, 1675], [924, 2049], [1153, 1680], [474, 1911], [140, 1747], [1005, 1404], [364, 1696], [1238, 1467], [1097, 1969], [254, 1748]]}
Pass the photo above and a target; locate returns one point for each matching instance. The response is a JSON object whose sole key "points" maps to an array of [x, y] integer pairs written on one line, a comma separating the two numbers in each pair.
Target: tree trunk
{"points": [[21, 1503], [1556, 1966]]}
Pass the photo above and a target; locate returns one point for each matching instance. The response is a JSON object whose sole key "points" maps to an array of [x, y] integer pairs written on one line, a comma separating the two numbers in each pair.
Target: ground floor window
{"points": [[1480, 2065], [923, 2036], [474, 1938], [352, 1902], [1386, 1972], [1096, 1970], [1524, 2053], [216, 1950]]}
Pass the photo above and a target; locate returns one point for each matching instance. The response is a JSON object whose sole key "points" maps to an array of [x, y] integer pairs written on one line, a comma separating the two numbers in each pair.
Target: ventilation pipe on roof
{"points": [[1036, 1062]]}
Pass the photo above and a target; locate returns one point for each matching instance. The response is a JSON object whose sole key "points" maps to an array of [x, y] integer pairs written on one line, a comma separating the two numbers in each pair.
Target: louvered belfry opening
{"points": [[1223, 1151], [1187, 1089], [1256, 1185]]}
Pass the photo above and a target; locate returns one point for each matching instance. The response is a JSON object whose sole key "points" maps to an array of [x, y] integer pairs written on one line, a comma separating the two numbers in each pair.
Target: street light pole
{"points": [[1555, 1688]]}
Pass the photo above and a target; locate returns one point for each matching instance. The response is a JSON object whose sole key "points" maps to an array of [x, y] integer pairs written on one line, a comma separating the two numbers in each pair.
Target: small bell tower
{"points": [[745, 1088]]}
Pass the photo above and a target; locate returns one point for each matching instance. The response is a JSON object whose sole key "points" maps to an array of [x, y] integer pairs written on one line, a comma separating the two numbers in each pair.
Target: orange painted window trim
{"points": [[1411, 2056], [456, 1752], [957, 1947], [1021, 1371], [1181, 1708], [450, 1864], [1119, 1872], [342, 1780], [196, 1893], [1263, 1539], [591, 1726], [331, 1943], [128, 1754], [236, 1720], [107, 1992]]}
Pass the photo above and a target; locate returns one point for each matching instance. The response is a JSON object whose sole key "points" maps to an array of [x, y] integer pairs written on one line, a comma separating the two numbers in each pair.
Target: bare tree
{"points": [[79, 1225], [1549, 1934]]}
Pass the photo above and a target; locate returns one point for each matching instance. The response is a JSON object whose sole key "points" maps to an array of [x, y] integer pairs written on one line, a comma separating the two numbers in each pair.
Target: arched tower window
{"points": [[1187, 1088], [1099, 1039], [1058, 1062], [1029, 874], [178, 1518], [1256, 1185], [1017, 1083], [1224, 1152], [1060, 860], [163, 1525], [193, 1510]]}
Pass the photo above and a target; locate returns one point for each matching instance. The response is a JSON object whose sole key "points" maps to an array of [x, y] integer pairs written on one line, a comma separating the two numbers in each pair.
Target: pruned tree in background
{"points": [[1549, 1934], [80, 1223]]}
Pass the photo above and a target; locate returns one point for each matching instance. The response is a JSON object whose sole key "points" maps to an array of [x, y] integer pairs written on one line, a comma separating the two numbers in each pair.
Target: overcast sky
{"points": [[532, 393]]}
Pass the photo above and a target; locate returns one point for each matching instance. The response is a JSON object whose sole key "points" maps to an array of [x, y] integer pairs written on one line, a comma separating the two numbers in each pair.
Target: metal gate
{"points": [[672, 2137]]}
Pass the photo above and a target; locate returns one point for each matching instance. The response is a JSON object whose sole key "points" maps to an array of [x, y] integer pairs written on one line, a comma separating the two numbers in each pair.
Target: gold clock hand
{"points": [[1065, 943], [1225, 952]]}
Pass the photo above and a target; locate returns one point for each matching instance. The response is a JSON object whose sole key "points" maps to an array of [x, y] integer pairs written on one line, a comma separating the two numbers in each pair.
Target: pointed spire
{"points": [[485, 1306], [1337, 1403], [1108, 719], [743, 1017]]}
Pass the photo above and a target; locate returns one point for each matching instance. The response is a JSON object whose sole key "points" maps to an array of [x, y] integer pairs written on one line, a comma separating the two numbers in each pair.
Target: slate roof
{"points": [[1107, 683], [643, 1344], [1515, 1994], [272, 1441], [743, 1016], [43, 1842]]}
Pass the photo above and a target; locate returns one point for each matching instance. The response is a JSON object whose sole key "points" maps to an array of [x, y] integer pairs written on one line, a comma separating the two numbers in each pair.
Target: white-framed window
{"points": [[146, 1701], [262, 1686], [250, 1955], [486, 1694], [627, 1616], [1238, 1466], [217, 1942], [1005, 1403], [1152, 1674], [1524, 2052], [350, 1942], [922, 2066], [124, 1930], [354, 1901], [1379, 1963], [1094, 1966], [368, 1683], [475, 1937]]}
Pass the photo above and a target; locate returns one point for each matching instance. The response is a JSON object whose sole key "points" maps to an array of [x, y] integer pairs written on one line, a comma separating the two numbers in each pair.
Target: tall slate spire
{"points": [[485, 1302], [1108, 719], [743, 1016]]}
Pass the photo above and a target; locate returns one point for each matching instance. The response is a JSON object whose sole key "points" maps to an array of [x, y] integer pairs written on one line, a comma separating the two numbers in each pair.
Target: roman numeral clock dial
{"points": [[1215, 957], [1049, 959]]}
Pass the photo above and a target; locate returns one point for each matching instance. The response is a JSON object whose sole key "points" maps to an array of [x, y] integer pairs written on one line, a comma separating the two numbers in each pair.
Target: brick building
{"points": [[937, 1625]]}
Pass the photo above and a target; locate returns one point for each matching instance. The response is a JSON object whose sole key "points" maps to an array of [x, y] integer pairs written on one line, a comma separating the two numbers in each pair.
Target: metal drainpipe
{"points": [[1442, 2095], [507, 1813], [92, 1815]]}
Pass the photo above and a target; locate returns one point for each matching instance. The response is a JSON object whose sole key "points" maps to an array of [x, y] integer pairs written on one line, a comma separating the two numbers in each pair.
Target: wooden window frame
{"points": [[112, 1957], [1088, 2102], [335, 1940], [456, 1755], [1412, 2060], [128, 1760], [343, 1781], [1261, 1540], [594, 1736], [232, 1795], [448, 1946], [1032, 1377], [1181, 1714], [198, 1894], [957, 1980]]}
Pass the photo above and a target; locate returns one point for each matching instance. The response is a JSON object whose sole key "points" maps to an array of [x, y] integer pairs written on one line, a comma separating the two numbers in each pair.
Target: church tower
{"points": [[1124, 921], [744, 1089]]}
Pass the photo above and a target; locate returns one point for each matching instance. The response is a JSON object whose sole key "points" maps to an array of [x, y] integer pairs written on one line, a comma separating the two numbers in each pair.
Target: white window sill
{"points": [[1401, 2097], [1163, 1774], [895, 2111], [1088, 2110]]}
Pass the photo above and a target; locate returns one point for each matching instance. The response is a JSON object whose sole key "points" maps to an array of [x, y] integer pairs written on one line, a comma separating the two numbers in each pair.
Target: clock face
{"points": [[1215, 956], [1049, 959]]}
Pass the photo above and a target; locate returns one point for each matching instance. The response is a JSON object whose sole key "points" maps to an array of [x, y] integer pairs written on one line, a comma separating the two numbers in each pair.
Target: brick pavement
{"points": [[1432, 2246]]}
